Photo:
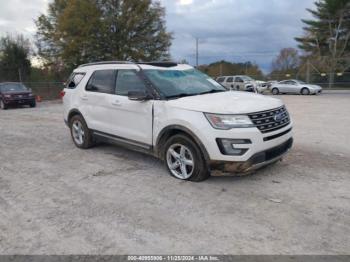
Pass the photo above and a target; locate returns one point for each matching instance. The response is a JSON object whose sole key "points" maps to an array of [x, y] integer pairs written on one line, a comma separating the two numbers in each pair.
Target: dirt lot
{"points": [[57, 199]]}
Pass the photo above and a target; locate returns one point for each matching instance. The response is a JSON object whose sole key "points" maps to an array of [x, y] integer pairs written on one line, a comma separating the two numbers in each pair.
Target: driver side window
{"points": [[128, 80], [229, 80]]}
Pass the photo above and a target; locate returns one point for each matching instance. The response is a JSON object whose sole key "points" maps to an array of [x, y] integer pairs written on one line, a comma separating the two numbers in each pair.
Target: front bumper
{"points": [[317, 91], [21, 101], [257, 161]]}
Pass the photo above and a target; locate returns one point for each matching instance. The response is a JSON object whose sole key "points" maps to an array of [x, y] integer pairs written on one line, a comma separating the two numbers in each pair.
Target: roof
{"points": [[106, 65]]}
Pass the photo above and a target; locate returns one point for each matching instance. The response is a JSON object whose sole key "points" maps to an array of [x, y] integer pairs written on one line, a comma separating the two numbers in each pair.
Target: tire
{"points": [[275, 91], [33, 104], [179, 150], [81, 134], [305, 91], [2, 105]]}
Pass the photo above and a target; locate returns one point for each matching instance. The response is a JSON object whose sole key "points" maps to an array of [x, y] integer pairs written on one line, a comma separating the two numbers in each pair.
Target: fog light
{"points": [[227, 146]]}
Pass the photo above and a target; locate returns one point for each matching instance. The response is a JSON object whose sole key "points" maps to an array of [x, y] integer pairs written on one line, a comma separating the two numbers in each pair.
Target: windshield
{"points": [[177, 83], [13, 87], [247, 78]]}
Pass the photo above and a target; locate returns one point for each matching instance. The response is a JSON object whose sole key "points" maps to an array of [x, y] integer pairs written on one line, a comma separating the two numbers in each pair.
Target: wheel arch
{"points": [[72, 113], [305, 87], [172, 130]]}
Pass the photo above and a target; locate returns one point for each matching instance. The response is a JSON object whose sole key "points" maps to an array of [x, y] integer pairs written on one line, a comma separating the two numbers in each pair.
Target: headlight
{"points": [[226, 122], [7, 96]]}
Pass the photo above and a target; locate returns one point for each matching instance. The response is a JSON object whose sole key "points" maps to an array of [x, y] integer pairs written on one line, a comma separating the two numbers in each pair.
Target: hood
{"points": [[231, 102]]}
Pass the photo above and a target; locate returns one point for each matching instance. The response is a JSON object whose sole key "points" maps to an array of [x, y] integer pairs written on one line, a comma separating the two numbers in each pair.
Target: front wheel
{"points": [[305, 91], [185, 160], [2, 105], [275, 91], [32, 104]]}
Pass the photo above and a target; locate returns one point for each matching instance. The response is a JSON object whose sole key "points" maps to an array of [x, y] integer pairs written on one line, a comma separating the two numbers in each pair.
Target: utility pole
{"points": [[308, 71], [19, 75], [197, 52]]}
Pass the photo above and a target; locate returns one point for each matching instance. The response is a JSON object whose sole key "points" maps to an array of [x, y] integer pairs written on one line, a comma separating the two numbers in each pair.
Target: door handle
{"points": [[84, 98]]}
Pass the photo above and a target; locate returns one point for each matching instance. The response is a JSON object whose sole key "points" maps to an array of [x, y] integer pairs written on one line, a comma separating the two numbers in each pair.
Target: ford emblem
{"points": [[278, 117]]}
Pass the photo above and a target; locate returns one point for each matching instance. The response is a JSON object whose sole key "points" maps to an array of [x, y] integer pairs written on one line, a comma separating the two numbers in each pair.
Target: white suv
{"points": [[238, 83], [178, 114]]}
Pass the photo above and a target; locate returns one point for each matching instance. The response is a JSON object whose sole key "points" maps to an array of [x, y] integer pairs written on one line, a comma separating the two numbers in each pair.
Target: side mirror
{"points": [[138, 96]]}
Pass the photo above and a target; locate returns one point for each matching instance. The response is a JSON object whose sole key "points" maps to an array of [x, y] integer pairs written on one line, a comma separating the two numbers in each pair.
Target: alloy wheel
{"points": [[78, 132], [305, 91], [180, 161], [275, 91]]}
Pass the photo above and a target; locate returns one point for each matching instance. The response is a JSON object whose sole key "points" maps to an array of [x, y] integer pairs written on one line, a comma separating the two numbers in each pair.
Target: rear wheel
{"points": [[275, 91], [2, 105], [81, 135], [185, 160], [305, 91]]}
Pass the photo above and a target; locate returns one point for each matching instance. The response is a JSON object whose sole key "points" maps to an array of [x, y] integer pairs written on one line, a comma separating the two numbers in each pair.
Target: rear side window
{"points": [[229, 79], [239, 80], [128, 80], [220, 79], [74, 80], [102, 81]]}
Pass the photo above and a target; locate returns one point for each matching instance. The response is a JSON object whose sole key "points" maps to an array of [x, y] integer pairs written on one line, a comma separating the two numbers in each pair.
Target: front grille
{"points": [[20, 96], [272, 153], [271, 120]]}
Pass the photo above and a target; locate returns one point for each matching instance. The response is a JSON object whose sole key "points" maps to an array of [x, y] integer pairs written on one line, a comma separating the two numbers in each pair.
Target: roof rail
{"points": [[156, 63], [107, 63]]}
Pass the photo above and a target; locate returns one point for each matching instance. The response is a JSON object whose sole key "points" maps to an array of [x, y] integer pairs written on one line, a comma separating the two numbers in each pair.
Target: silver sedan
{"points": [[295, 87]]}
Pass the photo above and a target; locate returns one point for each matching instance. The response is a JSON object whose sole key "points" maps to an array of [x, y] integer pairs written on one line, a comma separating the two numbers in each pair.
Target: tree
{"points": [[226, 68], [326, 38], [14, 58], [82, 31], [287, 61]]}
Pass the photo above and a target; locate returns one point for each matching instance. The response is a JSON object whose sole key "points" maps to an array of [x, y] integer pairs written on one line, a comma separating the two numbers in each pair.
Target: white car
{"points": [[261, 86], [295, 87], [178, 114], [238, 83]]}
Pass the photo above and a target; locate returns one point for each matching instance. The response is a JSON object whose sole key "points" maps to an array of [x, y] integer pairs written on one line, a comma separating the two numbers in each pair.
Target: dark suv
{"points": [[15, 94]]}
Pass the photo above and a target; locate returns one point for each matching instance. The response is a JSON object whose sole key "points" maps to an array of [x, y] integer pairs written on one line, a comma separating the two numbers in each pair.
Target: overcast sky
{"points": [[234, 30]]}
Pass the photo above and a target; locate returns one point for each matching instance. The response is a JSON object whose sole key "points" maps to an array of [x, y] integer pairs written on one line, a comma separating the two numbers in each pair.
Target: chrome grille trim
{"points": [[265, 121]]}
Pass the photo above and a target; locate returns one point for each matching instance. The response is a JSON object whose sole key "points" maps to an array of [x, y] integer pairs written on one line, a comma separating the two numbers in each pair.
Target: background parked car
{"points": [[238, 83], [15, 94], [295, 87], [261, 86]]}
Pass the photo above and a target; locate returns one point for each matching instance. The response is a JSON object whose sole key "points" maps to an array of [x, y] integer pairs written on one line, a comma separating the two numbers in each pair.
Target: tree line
{"points": [[74, 32]]}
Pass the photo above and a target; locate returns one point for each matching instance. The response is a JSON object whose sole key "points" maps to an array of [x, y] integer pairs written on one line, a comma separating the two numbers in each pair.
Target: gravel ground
{"points": [[57, 199]]}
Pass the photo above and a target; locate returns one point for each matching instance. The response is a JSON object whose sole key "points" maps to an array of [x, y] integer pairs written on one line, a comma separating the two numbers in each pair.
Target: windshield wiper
{"points": [[180, 95], [195, 94], [212, 92]]}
